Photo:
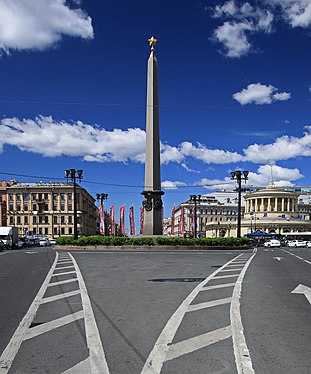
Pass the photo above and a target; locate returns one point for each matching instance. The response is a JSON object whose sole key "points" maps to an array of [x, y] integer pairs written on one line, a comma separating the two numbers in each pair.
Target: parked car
{"points": [[296, 243], [19, 244], [52, 241], [272, 243], [44, 242], [25, 242], [33, 242], [2, 246], [309, 244]]}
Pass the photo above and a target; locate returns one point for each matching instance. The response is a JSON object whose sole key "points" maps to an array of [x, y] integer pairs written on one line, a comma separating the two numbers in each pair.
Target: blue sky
{"points": [[234, 88]]}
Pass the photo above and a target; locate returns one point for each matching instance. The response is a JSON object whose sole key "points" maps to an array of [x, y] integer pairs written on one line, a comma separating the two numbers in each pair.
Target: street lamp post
{"points": [[73, 175], [194, 199], [238, 176]]}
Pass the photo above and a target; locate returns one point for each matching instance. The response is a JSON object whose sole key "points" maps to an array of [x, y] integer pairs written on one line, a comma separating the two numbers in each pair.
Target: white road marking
{"points": [[198, 342], [226, 276], [242, 357], [303, 290], [98, 361], [207, 288], [208, 304], [31, 253], [63, 263], [4, 253], [12, 348], [300, 258], [82, 367], [64, 273], [52, 325], [156, 357], [63, 282], [278, 258], [63, 267], [60, 296], [240, 268]]}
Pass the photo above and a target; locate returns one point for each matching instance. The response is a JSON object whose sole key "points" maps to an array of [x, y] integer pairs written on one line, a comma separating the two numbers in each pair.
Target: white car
{"points": [[52, 241], [272, 243], [296, 243], [309, 244], [44, 242]]}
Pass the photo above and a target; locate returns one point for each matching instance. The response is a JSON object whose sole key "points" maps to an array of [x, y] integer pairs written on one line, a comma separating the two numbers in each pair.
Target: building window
{"points": [[34, 219], [26, 220], [55, 195], [62, 207], [39, 196], [11, 207], [69, 196], [62, 219], [26, 207], [70, 207], [46, 231], [62, 196], [11, 220], [10, 196], [70, 219], [18, 197], [54, 206], [46, 219], [62, 231], [70, 230], [18, 207], [46, 196], [18, 220], [26, 196], [34, 207], [46, 207], [34, 196], [55, 219]]}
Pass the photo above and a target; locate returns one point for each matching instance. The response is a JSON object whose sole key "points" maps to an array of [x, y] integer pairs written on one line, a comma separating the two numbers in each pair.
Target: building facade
{"points": [[271, 210], [47, 209]]}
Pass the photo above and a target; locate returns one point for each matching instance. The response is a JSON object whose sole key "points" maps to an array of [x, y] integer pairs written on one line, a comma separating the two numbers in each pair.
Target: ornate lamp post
{"points": [[194, 199], [73, 174], [239, 176]]}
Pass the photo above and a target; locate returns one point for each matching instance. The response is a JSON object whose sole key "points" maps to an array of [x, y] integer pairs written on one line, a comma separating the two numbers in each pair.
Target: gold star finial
{"points": [[152, 42]]}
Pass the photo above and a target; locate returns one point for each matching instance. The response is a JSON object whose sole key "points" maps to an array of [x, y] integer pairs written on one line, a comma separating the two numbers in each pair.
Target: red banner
{"points": [[101, 213], [132, 224], [173, 221], [141, 231], [182, 221], [112, 222], [122, 228]]}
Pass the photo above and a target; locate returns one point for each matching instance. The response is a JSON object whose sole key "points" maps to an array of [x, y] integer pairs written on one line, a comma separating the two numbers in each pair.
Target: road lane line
{"points": [[198, 342], [226, 276], [156, 357], [59, 296], [207, 288], [242, 357], [63, 282], [64, 267], [98, 362], [209, 304], [52, 325], [240, 268], [12, 348], [82, 367], [300, 258], [62, 263], [64, 273]]}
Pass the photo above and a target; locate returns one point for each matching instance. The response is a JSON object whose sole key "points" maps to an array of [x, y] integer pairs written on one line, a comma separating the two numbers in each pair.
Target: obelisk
{"points": [[152, 203]]}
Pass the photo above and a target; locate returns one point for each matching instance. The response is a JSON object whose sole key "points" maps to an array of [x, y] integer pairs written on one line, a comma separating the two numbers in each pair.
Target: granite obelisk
{"points": [[153, 202]]}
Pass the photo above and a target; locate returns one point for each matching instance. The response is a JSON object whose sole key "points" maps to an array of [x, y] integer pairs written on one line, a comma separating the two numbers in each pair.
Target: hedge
{"points": [[145, 241]]}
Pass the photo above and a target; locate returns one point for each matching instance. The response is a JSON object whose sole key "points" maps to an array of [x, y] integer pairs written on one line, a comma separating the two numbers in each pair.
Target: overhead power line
{"points": [[135, 105], [109, 184]]}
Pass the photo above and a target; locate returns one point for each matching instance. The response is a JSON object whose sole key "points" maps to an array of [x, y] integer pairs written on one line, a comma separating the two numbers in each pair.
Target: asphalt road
{"points": [[155, 311]]}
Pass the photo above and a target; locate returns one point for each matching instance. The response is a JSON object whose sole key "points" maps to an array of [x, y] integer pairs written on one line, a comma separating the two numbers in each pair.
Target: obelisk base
{"points": [[153, 213]]}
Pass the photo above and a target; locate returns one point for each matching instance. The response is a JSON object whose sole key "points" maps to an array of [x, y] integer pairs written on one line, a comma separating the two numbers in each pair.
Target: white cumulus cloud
{"points": [[172, 185], [258, 93], [39, 24]]}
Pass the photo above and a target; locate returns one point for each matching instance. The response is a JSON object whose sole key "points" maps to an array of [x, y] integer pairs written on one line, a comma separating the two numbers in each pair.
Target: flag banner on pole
{"points": [[122, 227], [132, 224], [162, 210], [192, 221], [112, 222], [173, 221], [101, 212], [141, 231], [182, 221]]}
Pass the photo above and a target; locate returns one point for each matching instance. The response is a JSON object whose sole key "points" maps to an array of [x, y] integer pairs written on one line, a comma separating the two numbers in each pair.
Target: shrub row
{"points": [[161, 241]]}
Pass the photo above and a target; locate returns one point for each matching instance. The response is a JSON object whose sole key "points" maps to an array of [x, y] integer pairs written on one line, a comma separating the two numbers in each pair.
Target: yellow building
{"points": [[271, 210], [47, 209]]}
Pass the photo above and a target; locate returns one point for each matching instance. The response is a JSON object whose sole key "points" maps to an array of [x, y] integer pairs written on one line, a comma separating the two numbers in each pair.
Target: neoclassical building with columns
{"points": [[271, 210]]}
